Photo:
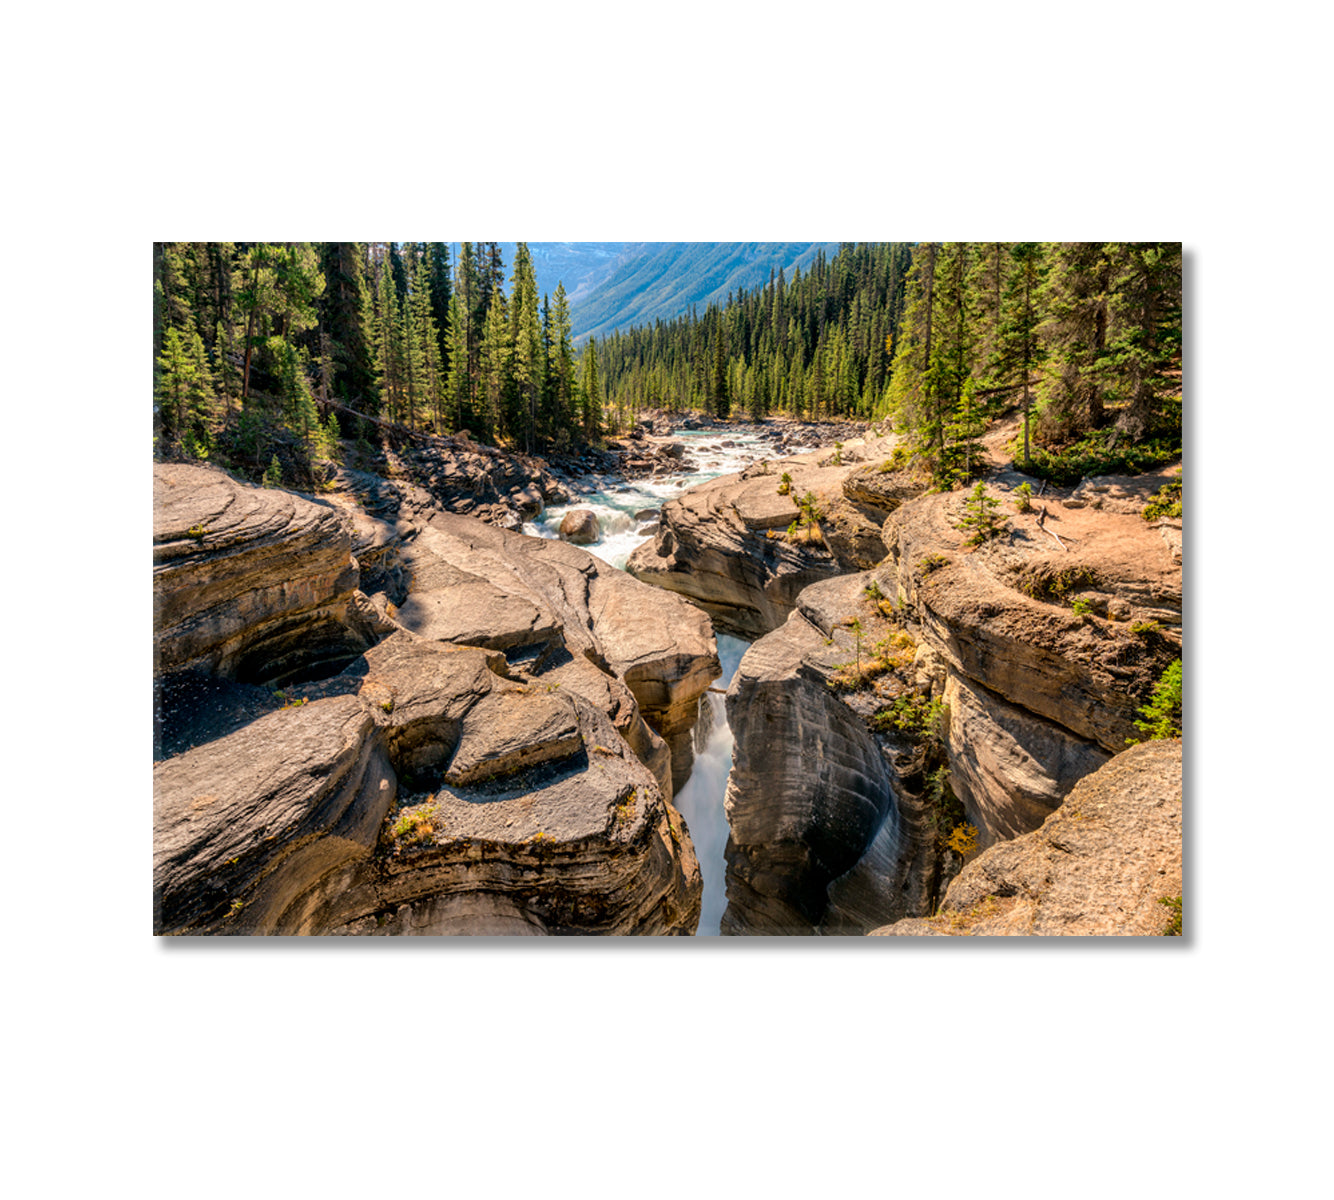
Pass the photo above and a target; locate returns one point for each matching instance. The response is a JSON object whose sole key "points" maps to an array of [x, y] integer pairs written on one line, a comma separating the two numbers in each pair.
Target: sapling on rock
{"points": [[980, 516]]}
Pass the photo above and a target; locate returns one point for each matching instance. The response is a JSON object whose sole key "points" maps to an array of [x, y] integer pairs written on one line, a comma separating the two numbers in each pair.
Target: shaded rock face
{"points": [[723, 544], [1037, 696], [501, 697], [1012, 768], [249, 583], [812, 788], [495, 486], [532, 802], [580, 526], [1100, 865]]}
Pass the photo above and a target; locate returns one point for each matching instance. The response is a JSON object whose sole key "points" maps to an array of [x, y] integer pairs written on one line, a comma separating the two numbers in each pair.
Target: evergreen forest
{"points": [[262, 345]]}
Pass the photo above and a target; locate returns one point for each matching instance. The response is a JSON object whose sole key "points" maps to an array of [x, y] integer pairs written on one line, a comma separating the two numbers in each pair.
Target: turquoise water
{"points": [[616, 501]]}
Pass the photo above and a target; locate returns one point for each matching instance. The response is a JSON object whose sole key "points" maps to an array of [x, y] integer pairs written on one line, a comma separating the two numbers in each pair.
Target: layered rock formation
{"points": [[472, 479], [248, 582], [1102, 864], [526, 800], [724, 545], [489, 685], [828, 821], [1038, 694]]}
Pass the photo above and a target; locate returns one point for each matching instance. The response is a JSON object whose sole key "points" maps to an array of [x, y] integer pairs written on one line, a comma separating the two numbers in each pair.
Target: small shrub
{"points": [[785, 484], [1092, 455], [415, 825], [1165, 502], [624, 812], [1042, 581], [962, 840], [895, 462], [1081, 607], [920, 718], [1145, 629], [198, 532], [932, 562], [1023, 498], [1162, 714], [873, 591], [1174, 925], [273, 477]]}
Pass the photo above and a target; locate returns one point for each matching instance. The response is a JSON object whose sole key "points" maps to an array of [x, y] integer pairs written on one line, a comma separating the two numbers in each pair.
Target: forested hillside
{"points": [[938, 337], [259, 343]]}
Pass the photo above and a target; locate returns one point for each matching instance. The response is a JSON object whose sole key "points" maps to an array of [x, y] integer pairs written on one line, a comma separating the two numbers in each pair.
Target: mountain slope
{"points": [[661, 280], [580, 266]]}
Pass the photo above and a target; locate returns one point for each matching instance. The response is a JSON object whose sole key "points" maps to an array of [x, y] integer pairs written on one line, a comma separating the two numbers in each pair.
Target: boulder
{"points": [[580, 526], [1103, 864]]}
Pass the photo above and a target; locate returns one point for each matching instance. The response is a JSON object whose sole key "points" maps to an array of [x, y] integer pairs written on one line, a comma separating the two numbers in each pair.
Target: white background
{"points": [[793, 1068]]}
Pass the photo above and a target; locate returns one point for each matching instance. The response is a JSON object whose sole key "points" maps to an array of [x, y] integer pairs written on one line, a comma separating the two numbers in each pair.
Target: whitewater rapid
{"points": [[617, 503]]}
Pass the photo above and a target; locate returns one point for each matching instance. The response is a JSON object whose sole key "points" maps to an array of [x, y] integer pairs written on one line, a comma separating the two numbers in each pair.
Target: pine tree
{"points": [[494, 369], [386, 346], [344, 307], [1145, 334], [437, 271], [592, 394], [1018, 349], [254, 291], [720, 394], [912, 399], [1076, 299], [457, 392], [184, 390], [562, 365], [526, 342]]}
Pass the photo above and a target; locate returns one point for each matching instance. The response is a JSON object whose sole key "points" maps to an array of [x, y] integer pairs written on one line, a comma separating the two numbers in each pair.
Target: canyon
{"points": [[384, 709]]}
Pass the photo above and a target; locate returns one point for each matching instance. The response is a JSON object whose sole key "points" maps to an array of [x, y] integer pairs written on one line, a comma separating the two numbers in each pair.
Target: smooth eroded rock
{"points": [[1100, 865], [249, 583], [580, 526]]}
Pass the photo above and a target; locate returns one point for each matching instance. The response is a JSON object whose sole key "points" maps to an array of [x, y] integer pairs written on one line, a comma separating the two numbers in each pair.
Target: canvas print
{"points": [[606, 588]]}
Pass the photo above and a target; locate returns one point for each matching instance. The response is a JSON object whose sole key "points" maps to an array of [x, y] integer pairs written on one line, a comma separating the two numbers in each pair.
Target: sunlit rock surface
{"points": [[488, 771], [724, 544], [1102, 864]]}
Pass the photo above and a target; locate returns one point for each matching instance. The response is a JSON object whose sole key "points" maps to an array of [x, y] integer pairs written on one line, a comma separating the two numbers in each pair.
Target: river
{"points": [[617, 503]]}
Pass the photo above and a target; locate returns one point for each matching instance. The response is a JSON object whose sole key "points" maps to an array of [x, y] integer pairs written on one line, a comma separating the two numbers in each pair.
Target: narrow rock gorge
{"points": [[375, 716], [1021, 664]]}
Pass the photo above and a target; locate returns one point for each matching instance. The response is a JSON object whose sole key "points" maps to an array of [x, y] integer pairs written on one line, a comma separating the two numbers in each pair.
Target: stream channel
{"points": [[618, 503]]}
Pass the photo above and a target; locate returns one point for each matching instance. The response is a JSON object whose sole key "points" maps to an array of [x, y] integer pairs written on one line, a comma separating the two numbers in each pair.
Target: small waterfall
{"points": [[701, 800]]}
